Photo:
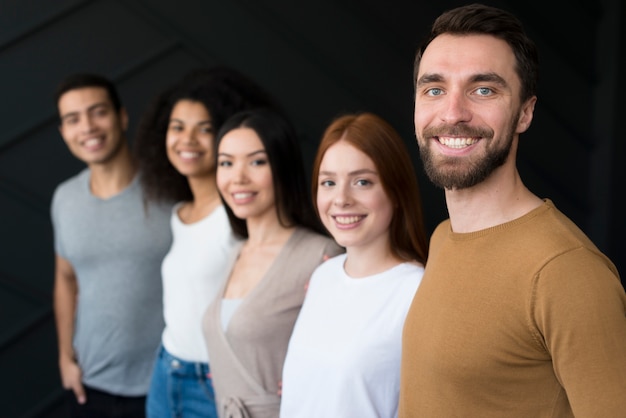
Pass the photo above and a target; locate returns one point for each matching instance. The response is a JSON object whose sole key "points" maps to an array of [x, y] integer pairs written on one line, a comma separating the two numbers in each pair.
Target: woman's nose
{"points": [[342, 197]]}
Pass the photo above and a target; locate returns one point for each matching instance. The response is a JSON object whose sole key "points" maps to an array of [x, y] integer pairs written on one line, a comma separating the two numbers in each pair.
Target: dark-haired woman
{"points": [[176, 153], [261, 178]]}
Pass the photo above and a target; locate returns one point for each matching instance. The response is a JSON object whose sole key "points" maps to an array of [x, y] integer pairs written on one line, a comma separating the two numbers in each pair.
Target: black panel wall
{"points": [[320, 59]]}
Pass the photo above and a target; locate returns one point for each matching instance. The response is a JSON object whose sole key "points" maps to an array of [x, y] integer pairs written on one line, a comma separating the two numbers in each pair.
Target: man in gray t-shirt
{"points": [[109, 247]]}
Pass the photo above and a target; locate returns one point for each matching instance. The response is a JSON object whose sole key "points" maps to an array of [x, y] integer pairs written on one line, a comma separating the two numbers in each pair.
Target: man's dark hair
{"points": [[479, 19], [82, 80]]}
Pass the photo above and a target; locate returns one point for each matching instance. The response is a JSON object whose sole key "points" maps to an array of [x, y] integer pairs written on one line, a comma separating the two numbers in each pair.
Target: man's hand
{"points": [[71, 378]]}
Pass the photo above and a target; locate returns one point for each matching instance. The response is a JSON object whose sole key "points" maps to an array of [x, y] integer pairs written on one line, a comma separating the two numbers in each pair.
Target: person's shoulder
{"points": [[335, 261], [411, 267], [330, 265], [559, 239], [315, 238], [560, 229], [72, 184], [307, 234], [443, 226], [441, 231], [410, 274]]}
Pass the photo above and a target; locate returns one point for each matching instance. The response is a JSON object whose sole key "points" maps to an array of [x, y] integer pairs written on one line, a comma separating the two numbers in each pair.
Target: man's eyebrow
{"points": [[67, 115], [477, 78], [429, 78], [490, 77], [90, 108]]}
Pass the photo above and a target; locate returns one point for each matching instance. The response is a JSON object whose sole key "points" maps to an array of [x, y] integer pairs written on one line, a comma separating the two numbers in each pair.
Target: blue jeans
{"points": [[180, 389]]}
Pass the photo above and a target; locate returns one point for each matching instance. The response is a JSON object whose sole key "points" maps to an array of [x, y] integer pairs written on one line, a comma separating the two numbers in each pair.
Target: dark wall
{"points": [[319, 58]]}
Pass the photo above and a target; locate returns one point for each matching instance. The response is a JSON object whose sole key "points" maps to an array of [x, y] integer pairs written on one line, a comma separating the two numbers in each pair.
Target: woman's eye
{"points": [[224, 163], [259, 162]]}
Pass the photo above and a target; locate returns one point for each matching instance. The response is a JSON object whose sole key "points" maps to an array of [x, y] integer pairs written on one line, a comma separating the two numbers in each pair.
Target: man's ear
{"points": [[526, 115], [123, 119]]}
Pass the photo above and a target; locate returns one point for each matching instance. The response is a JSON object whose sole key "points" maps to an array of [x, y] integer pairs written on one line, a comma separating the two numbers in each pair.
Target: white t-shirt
{"points": [[343, 358], [193, 271]]}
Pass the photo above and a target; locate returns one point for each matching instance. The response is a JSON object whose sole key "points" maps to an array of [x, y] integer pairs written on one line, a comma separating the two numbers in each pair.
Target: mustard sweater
{"points": [[525, 319]]}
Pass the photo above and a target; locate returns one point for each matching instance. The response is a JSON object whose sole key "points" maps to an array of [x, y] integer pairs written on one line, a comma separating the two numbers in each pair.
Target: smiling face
{"points": [[90, 125], [189, 139], [244, 176], [351, 200], [467, 110]]}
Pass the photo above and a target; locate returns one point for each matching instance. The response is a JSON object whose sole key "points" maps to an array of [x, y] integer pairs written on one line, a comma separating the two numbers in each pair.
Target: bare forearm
{"points": [[65, 293]]}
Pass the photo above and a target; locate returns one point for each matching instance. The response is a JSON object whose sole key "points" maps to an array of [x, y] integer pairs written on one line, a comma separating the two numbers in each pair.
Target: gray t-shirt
{"points": [[116, 249]]}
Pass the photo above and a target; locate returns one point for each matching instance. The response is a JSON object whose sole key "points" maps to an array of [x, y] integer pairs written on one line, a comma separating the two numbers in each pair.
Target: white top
{"points": [[229, 306], [193, 270], [343, 358]]}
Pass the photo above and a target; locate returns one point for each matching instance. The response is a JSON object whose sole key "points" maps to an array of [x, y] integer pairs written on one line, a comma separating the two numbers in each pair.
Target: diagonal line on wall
{"points": [[27, 129], [145, 12], [25, 197], [41, 311], [62, 12], [319, 59], [25, 327]]}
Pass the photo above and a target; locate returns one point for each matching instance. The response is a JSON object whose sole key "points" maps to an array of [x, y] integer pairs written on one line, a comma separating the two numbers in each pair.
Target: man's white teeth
{"points": [[242, 195], [457, 142], [91, 142], [189, 154], [346, 220]]}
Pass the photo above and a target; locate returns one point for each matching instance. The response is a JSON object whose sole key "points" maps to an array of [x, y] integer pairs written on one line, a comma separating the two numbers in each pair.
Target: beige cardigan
{"points": [[246, 361]]}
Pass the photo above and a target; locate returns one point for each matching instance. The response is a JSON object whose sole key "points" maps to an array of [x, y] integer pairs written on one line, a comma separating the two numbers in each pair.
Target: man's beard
{"points": [[463, 172]]}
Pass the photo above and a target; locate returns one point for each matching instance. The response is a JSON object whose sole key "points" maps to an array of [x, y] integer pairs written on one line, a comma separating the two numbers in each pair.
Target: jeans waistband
{"points": [[183, 367]]}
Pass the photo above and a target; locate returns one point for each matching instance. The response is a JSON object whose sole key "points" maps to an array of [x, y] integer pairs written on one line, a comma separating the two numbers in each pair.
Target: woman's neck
{"points": [[267, 232], [363, 261], [205, 199]]}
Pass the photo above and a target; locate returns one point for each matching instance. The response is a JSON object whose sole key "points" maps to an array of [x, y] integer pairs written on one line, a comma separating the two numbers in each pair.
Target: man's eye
{"points": [[434, 92], [483, 91]]}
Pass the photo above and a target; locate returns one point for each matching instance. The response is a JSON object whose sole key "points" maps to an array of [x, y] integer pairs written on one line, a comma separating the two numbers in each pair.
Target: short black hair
{"points": [[82, 80]]}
